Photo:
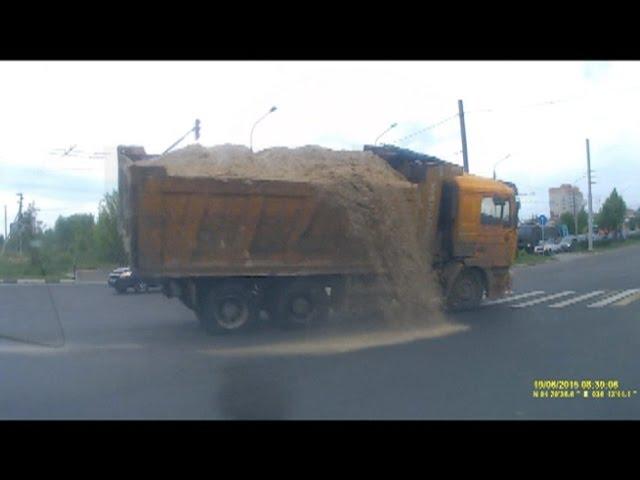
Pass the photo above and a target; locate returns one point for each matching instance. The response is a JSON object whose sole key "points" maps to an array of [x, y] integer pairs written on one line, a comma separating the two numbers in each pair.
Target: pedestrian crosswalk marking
{"points": [[543, 299], [513, 298], [628, 300], [602, 298], [613, 298], [573, 300]]}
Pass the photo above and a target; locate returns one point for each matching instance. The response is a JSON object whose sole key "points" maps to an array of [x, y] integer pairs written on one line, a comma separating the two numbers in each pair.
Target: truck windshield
{"points": [[494, 211]]}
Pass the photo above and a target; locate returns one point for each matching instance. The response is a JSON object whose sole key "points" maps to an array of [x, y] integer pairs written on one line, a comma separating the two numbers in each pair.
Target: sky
{"points": [[536, 114]]}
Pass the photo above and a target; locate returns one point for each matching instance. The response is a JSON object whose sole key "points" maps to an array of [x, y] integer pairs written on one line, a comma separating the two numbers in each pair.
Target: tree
{"points": [[569, 221], [583, 221], [611, 216], [634, 222], [108, 241], [74, 234]]}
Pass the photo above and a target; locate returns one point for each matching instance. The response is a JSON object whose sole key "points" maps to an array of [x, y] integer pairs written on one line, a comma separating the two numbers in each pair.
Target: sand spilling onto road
{"points": [[380, 204]]}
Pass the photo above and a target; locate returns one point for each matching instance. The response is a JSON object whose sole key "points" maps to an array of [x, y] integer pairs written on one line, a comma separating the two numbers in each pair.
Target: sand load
{"points": [[381, 206]]}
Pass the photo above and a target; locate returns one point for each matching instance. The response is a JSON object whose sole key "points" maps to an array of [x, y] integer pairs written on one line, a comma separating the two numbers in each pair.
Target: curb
{"points": [[34, 281]]}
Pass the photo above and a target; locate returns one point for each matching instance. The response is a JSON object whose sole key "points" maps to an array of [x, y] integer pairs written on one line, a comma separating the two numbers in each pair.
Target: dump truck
{"points": [[231, 248]]}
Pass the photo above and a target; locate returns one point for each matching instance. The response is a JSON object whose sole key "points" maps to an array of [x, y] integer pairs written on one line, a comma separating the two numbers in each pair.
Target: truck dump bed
{"points": [[177, 225]]}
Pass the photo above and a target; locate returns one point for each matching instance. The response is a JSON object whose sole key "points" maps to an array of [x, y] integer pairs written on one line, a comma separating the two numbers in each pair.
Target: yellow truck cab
{"points": [[483, 236]]}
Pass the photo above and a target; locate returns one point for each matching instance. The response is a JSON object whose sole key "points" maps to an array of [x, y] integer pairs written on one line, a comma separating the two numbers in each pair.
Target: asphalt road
{"points": [[83, 352]]}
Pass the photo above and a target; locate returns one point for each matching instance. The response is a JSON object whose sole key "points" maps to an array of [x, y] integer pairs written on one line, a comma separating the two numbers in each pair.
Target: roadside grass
{"points": [[50, 266], [14, 266], [525, 258]]}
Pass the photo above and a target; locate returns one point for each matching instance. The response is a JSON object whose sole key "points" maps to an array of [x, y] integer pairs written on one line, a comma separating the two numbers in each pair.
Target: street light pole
{"points": [[195, 129], [496, 164], [271, 110], [393, 125]]}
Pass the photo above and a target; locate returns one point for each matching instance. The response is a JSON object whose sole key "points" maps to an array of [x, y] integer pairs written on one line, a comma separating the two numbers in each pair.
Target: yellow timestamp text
{"points": [[580, 388]]}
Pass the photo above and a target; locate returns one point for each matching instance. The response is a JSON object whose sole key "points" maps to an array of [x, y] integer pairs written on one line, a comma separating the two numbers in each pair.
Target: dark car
{"points": [[122, 279]]}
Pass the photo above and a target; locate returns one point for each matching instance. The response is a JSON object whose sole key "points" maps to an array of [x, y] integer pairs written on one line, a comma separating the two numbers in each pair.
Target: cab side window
{"points": [[494, 211]]}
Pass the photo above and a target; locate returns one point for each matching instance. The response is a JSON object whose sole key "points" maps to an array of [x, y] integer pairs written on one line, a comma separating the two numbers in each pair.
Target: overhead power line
{"points": [[544, 103], [425, 129]]}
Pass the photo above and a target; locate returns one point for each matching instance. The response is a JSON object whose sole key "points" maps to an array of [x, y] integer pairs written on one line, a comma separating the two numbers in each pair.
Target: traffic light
{"points": [[196, 129]]}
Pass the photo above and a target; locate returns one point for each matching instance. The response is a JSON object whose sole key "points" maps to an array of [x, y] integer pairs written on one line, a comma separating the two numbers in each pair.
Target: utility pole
{"points": [[463, 134], [590, 202]]}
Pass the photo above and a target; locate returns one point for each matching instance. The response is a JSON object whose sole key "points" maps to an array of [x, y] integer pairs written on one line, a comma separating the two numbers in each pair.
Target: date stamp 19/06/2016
{"points": [[583, 388]]}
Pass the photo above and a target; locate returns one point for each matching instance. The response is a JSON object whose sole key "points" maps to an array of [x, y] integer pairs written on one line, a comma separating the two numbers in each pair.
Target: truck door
{"points": [[497, 233]]}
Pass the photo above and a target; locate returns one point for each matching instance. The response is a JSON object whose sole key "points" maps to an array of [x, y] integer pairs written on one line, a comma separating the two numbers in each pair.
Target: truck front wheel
{"points": [[227, 308], [466, 292]]}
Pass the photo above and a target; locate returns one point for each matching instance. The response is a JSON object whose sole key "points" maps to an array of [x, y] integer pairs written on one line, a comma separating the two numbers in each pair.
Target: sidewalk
{"points": [[91, 277], [86, 276]]}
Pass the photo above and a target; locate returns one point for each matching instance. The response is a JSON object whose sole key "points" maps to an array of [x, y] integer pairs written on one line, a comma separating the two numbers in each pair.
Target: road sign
{"points": [[542, 220]]}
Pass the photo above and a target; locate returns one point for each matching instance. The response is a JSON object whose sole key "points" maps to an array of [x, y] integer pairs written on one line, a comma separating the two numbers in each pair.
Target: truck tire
{"points": [[227, 308], [120, 289], [301, 303], [466, 292]]}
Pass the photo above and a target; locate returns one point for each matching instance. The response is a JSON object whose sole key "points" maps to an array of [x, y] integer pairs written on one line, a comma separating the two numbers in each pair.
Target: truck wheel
{"points": [[120, 289], [141, 287], [301, 303], [466, 292], [227, 308]]}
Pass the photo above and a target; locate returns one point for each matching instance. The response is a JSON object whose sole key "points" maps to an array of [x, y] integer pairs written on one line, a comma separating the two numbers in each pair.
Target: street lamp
{"points": [[496, 164], [393, 125], [271, 110]]}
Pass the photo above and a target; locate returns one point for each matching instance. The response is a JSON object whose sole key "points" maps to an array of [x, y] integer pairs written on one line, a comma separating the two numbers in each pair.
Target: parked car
{"points": [[123, 279], [547, 247], [569, 243]]}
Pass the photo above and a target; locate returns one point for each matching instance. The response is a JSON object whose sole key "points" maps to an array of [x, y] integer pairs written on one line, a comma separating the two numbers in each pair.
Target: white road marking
{"points": [[511, 299], [608, 300], [577, 299], [543, 299], [628, 300]]}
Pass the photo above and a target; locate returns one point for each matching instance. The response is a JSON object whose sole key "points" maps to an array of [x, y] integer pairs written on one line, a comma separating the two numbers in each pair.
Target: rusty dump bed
{"points": [[177, 226]]}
